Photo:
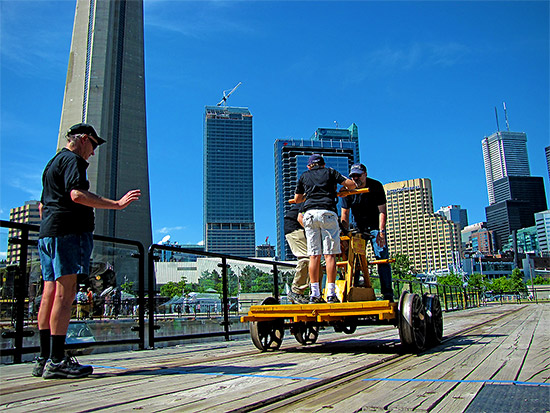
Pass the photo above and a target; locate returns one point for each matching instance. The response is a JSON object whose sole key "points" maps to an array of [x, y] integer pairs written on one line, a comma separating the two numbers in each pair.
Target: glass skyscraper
{"points": [[228, 181], [291, 156], [504, 154]]}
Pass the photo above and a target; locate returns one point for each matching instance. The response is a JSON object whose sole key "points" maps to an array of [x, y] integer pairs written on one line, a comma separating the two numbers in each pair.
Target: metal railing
{"points": [[227, 332], [452, 298], [21, 293]]}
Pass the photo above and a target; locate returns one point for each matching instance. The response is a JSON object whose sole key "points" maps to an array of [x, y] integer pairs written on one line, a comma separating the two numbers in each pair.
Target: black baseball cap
{"points": [[316, 158], [87, 129]]}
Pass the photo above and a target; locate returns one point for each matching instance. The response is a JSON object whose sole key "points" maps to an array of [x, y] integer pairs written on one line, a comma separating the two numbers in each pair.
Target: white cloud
{"points": [[167, 230]]}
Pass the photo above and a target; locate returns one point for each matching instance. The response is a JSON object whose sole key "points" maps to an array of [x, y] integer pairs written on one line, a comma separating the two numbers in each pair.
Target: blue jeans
{"points": [[65, 255], [384, 270]]}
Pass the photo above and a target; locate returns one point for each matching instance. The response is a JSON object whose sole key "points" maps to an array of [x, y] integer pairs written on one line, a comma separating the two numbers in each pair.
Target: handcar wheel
{"points": [[412, 322], [434, 319], [305, 333], [267, 335], [343, 327]]}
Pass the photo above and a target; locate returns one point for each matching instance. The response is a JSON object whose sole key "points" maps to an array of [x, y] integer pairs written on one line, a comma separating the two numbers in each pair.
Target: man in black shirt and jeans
{"points": [[369, 211], [316, 188], [65, 245]]}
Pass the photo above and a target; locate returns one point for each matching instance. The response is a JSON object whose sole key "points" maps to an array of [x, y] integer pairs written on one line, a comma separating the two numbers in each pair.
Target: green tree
{"points": [[452, 279], [128, 287], [210, 281], [476, 280], [253, 280], [403, 268], [516, 281], [500, 285], [171, 288], [539, 279]]}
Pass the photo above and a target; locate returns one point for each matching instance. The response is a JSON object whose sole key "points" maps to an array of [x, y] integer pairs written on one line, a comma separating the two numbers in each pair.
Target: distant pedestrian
{"points": [[81, 305], [90, 297]]}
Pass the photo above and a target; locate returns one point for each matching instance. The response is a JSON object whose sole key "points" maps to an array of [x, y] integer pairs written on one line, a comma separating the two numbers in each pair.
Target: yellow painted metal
{"points": [[322, 312]]}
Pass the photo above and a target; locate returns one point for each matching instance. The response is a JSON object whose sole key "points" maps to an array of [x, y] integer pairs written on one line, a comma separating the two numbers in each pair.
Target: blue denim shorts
{"points": [[65, 255]]}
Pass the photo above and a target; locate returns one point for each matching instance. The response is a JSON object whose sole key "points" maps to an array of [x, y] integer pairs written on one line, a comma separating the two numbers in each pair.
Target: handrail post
{"points": [[151, 296], [275, 282], [141, 296], [225, 300], [21, 290]]}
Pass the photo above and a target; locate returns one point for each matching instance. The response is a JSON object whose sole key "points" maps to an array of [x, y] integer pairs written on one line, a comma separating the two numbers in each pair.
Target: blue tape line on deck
{"points": [[108, 367], [521, 383]]}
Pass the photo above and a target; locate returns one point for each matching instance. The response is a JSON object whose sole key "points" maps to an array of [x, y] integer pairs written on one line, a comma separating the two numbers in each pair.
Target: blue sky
{"points": [[420, 79]]}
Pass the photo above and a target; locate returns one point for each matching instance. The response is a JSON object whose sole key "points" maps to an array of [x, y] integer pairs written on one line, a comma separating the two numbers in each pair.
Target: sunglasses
{"points": [[93, 142]]}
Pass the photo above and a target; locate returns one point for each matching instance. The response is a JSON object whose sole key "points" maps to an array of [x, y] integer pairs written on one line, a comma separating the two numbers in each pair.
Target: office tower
{"points": [[430, 241], [504, 154], [483, 241], [542, 221], [456, 214], [477, 238], [547, 153], [265, 251], [106, 88], [517, 199], [228, 181], [526, 241], [349, 134], [25, 214], [291, 156]]}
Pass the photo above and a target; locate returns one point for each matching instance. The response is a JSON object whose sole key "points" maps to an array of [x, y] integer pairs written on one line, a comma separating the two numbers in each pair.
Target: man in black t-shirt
{"points": [[316, 188], [369, 211], [65, 245]]}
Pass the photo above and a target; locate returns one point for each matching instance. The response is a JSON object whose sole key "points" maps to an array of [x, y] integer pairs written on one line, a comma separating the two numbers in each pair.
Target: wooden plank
{"points": [[178, 378]]}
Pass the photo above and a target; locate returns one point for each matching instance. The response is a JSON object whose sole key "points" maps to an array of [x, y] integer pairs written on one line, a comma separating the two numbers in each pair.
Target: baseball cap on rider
{"points": [[316, 158], [358, 169], [87, 129]]}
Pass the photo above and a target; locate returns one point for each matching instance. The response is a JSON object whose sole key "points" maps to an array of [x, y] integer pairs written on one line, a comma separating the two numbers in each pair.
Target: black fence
{"points": [[150, 319], [18, 325]]}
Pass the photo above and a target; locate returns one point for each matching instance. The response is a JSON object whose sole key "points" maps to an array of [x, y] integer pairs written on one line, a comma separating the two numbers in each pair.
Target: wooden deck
{"points": [[493, 357]]}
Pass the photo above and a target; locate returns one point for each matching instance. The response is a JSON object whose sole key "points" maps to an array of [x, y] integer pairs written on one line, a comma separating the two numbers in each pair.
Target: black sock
{"points": [[44, 343], [58, 348]]}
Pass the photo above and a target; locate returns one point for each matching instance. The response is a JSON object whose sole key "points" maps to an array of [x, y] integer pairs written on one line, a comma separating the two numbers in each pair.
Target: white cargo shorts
{"points": [[322, 232]]}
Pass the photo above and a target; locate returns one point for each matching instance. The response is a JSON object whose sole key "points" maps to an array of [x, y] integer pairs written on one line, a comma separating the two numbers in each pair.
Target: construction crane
{"points": [[224, 99]]}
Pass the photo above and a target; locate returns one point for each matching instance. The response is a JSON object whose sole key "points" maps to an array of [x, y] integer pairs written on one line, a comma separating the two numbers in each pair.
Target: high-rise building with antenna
{"points": [[106, 88], [514, 195], [504, 154]]}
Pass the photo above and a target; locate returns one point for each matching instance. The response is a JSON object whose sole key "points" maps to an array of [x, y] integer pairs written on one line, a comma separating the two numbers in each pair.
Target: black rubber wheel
{"points": [[345, 327], [434, 319], [412, 322], [267, 335], [305, 333]]}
